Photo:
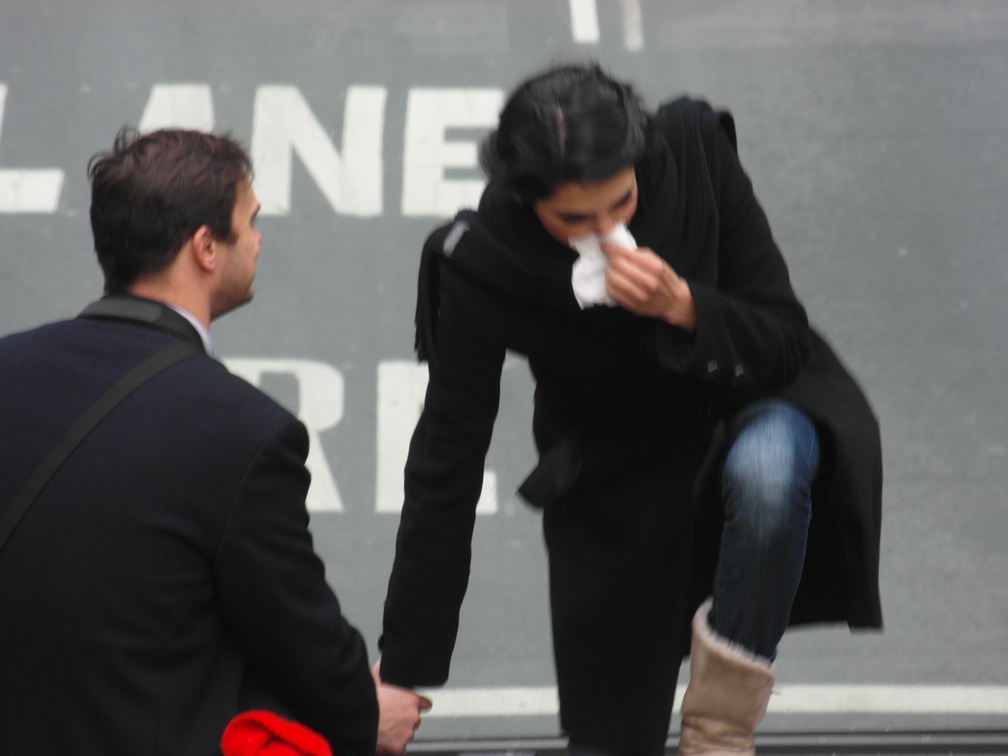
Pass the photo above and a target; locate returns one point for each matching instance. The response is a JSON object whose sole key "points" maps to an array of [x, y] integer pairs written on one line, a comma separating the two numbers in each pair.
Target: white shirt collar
{"points": [[204, 334]]}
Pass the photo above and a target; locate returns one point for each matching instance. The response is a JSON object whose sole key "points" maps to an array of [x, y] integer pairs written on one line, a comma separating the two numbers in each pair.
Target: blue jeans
{"points": [[766, 488]]}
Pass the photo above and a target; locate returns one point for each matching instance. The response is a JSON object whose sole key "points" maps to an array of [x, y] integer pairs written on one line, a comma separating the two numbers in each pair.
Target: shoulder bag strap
{"points": [[84, 425]]}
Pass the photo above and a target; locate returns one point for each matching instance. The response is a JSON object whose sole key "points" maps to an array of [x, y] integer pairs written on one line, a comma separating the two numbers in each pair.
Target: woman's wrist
{"points": [[682, 312]]}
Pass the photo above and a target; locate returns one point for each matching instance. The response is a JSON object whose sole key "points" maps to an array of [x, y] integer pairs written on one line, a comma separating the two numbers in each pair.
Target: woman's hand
{"points": [[399, 712], [643, 283]]}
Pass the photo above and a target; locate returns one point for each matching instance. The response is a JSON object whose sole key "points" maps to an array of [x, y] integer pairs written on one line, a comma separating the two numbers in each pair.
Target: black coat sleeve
{"points": [[443, 482], [752, 332], [276, 600]]}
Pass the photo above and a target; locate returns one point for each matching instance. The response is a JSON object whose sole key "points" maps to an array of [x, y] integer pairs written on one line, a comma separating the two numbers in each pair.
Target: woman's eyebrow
{"points": [[574, 217], [623, 200]]}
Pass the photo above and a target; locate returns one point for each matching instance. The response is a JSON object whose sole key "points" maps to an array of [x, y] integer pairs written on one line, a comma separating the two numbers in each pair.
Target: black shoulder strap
{"points": [[84, 425], [144, 311]]}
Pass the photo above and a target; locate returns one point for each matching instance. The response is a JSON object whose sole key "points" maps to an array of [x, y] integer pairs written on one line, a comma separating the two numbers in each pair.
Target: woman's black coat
{"points": [[626, 409]]}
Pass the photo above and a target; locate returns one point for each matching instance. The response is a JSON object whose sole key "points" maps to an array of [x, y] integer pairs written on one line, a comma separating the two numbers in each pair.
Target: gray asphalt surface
{"points": [[876, 133]]}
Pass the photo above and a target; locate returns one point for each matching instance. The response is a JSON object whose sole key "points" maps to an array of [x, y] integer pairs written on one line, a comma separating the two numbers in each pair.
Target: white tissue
{"points": [[588, 272]]}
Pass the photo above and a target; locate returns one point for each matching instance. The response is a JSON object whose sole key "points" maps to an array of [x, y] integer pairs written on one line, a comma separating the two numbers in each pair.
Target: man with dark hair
{"points": [[157, 574]]}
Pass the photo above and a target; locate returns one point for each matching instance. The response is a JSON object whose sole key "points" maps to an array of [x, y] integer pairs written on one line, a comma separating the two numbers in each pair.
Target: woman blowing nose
{"points": [[684, 419]]}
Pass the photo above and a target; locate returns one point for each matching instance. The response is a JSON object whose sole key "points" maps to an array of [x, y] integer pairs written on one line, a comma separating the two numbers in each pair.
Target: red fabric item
{"points": [[263, 733]]}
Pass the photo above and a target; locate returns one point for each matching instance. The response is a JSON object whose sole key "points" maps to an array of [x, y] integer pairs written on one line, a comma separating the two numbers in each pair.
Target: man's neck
{"points": [[191, 306]]}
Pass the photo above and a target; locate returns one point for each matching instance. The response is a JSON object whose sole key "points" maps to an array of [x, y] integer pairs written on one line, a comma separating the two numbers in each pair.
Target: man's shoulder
{"points": [[205, 384], [239, 391], [17, 338], [97, 352], [36, 348]]}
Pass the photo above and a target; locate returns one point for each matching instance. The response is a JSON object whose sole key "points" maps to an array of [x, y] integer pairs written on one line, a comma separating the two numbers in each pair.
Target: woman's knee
{"points": [[769, 467]]}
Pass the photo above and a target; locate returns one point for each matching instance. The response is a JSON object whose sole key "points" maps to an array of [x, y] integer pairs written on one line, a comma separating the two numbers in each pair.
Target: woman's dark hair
{"points": [[153, 191], [568, 123]]}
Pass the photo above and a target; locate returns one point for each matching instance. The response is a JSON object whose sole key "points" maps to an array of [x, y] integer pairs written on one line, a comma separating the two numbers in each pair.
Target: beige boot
{"points": [[727, 695]]}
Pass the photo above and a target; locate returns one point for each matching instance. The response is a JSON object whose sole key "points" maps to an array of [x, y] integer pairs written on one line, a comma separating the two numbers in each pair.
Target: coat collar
{"points": [[147, 312]]}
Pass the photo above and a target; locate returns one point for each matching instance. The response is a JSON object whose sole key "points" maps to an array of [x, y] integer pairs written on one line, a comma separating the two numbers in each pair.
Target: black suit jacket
{"points": [[165, 579]]}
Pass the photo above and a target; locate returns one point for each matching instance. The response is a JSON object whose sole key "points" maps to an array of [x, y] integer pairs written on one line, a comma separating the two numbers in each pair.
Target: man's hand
{"points": [[643, 283], [398, 714]]}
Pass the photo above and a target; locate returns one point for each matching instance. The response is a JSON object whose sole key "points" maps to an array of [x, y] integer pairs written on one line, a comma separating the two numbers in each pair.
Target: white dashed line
{"points": [[584, 21]]}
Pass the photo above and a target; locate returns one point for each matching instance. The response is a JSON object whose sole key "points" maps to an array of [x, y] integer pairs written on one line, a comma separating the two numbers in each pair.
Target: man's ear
{"points": [[204, 248]]}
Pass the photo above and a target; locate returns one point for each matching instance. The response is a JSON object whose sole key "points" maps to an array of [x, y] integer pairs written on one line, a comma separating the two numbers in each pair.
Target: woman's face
{"points": [[576, 209]]}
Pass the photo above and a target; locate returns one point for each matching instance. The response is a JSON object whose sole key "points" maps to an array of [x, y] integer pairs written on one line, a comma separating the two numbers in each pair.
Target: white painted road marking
{"points": [[428, 151], [28, 191], [320, 393], [633, 25], [402, 385], [584, 22], [179, 106], [350, 179], [787, 699]]}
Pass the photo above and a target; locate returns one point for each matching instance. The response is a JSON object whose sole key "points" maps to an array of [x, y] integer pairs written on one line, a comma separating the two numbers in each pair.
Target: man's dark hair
{"points": [[568, 123], [154, 191]]}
